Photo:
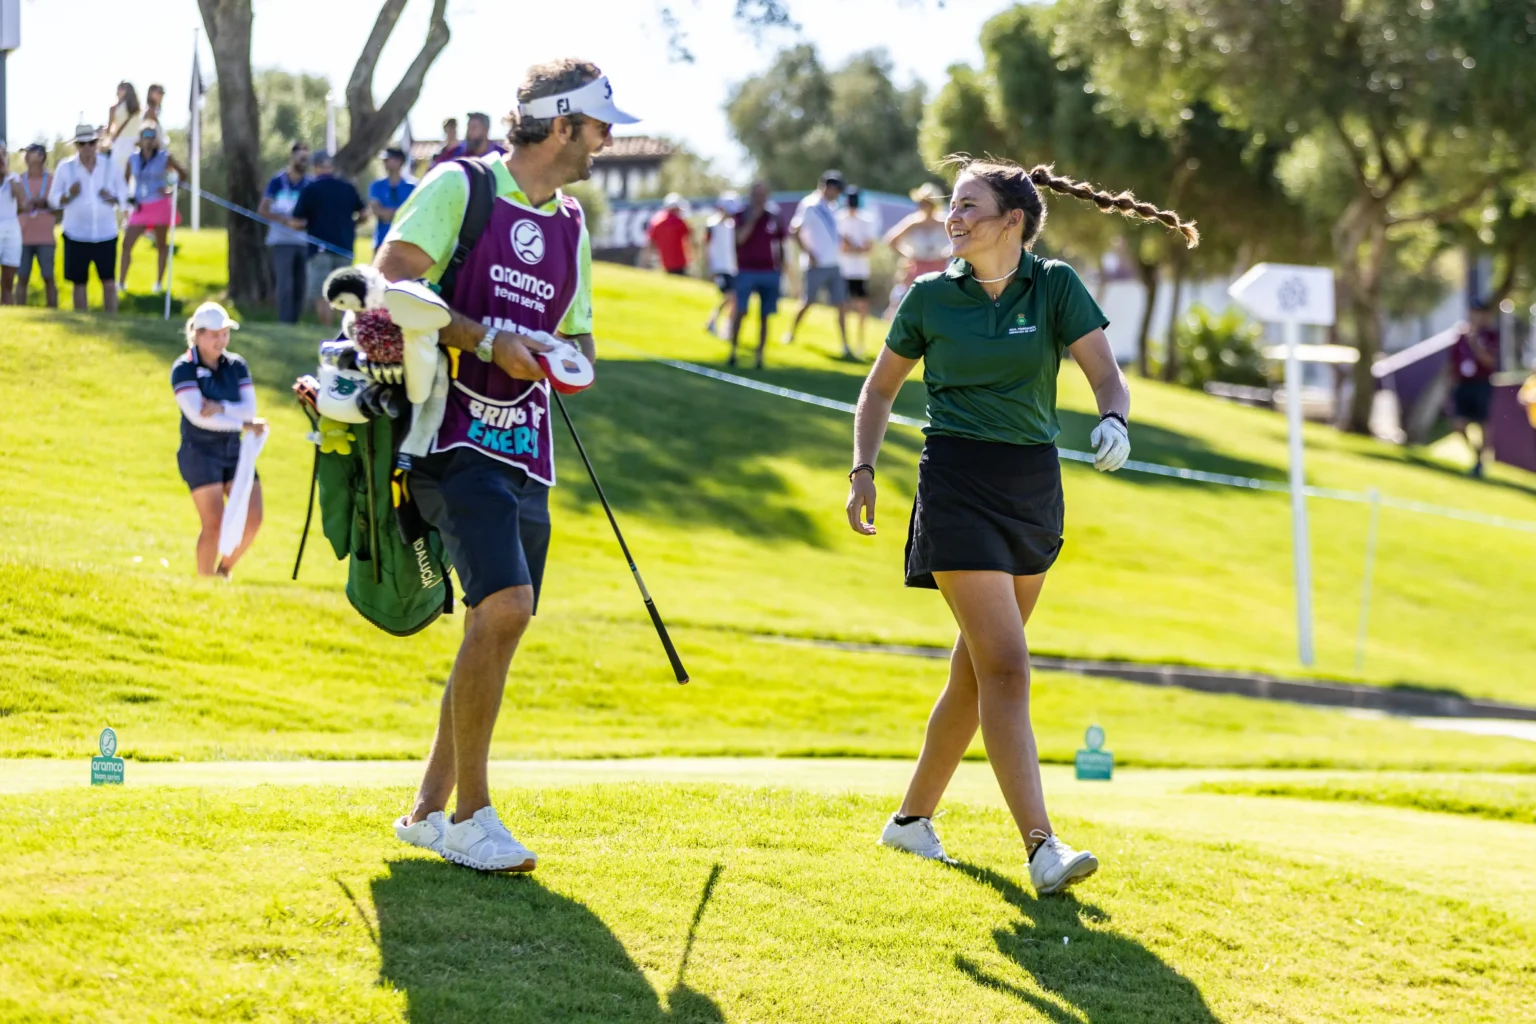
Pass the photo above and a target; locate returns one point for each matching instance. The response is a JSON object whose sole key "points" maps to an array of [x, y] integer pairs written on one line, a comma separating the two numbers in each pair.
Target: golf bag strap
{"points": [[477, 213]]}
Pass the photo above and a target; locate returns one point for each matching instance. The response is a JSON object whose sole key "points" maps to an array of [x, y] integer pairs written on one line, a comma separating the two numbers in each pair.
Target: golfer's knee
{"points": [[1003, 682], [504, 615]]}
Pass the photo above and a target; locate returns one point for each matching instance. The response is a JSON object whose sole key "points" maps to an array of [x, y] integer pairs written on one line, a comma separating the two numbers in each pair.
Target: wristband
{"points": [[1112, 415], [862, 465]]}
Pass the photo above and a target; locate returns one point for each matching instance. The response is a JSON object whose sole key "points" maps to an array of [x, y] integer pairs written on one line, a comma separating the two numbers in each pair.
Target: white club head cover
{"points": [[338, 394], [420, 313], [1111, 445], [567, 370]]}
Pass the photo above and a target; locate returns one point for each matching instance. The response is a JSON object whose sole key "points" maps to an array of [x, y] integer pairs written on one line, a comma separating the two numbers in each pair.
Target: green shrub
{"points": [[1218, 347]]}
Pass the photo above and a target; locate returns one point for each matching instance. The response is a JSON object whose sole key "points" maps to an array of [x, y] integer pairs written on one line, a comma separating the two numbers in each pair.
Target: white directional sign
{"points": [[1285, 293]]}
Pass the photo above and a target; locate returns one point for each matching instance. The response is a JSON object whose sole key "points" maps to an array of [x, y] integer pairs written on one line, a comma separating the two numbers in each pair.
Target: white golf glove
{"points": [[1111, 445]]}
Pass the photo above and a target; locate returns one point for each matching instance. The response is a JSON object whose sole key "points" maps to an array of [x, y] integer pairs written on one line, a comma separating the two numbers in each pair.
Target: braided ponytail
{"points": [[1019, 189]]}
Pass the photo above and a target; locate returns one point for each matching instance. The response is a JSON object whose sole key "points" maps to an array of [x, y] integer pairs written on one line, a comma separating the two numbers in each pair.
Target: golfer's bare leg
{"points": [[209, 500], [990, 608], [479, 677], [951, 727]]}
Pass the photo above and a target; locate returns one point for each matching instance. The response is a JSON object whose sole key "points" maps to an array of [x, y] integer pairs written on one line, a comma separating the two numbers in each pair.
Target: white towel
{"points": [[428, 416], [232, 529]]}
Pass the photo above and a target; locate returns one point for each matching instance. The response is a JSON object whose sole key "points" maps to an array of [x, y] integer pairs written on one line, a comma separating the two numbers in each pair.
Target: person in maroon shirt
{"points": [[1474, 358], [477, 140], [759, 255], [671, 237]]}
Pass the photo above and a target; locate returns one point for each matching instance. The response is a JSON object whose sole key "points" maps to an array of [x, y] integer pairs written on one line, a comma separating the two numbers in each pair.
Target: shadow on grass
{"points": [[1419, 460], [1096, 977], [464, 946]]}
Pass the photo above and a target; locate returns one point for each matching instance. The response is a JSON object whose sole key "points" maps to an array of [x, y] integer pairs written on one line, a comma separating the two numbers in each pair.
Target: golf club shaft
{"points": [[650, 605]]}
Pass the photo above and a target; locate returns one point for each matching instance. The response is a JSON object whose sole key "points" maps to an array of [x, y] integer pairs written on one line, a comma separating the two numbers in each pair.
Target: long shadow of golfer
{"points": [[1096, 976], [464, 946]]}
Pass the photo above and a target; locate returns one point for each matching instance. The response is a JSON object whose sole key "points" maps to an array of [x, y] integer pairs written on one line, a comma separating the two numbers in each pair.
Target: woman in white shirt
{"points": [[12, 199], [123, 125], [857, 231]]}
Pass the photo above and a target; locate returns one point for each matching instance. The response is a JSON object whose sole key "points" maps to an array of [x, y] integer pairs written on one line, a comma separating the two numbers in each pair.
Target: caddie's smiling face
{"points": [[582, 144]]}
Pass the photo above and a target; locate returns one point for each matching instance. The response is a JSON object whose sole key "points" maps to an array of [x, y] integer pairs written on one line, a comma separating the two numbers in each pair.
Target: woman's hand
{"points": [[1111, 445], [211, 408], [256, 426], [861, 503]]}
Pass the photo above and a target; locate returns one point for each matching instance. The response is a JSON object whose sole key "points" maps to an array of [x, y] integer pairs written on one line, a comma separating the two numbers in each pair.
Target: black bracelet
{"points": [[1112, 415], [862, 465]]}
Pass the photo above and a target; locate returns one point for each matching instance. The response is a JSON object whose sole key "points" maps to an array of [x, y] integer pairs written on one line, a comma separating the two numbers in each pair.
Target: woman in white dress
{"points": [[123, 122]]}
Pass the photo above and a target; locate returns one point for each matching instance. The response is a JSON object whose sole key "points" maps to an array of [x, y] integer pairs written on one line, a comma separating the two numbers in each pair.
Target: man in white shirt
{"points": [[858, 231], [89, 193], [814, 228], [720, 250]]}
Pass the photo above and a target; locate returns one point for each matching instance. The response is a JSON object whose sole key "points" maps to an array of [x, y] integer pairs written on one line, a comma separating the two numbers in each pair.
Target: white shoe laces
{"points": [[1050, 841]]}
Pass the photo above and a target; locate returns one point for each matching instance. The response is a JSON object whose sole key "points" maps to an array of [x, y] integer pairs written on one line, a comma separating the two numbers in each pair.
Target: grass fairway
{"points": [[295, 904], [1499, 799]]}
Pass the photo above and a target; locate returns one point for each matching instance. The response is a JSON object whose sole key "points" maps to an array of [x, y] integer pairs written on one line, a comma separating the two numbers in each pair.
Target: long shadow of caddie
{"points": [[468, 947], [1095, 977]]}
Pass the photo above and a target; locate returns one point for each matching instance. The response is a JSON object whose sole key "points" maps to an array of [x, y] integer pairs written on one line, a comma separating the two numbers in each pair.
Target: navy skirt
{"points": [[984, 505], [208, 459]]}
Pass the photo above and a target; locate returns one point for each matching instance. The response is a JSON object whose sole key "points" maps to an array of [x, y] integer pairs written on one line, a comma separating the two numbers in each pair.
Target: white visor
{"points": [[211, 316], [595, 99]]}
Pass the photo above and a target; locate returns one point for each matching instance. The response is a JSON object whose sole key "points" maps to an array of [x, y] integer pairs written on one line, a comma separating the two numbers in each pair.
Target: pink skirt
{"points": [[155, 214]]}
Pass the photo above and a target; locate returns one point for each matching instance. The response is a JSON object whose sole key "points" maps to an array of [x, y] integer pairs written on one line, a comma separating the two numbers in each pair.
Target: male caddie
{"points": [[485, 484]]}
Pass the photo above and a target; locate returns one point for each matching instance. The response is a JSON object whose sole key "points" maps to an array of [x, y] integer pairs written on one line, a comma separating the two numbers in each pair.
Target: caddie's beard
{"points": [[576, 162]]}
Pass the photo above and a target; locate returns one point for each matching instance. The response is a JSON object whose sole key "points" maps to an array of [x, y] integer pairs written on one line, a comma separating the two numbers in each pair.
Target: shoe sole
{"points": [[942, 858], [1079, 871], [464, 860]]}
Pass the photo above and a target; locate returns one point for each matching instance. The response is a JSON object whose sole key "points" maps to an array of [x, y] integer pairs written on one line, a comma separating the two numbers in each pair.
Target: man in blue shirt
{"points": [[289, 251], [386, 194], [327, 211]]}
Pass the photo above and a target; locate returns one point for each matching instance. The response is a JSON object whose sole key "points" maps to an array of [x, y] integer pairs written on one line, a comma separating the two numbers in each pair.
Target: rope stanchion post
{"points": [[1365, 583]]}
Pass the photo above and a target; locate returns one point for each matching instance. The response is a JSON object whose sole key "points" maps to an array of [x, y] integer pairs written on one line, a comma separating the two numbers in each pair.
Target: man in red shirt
{"points": [[670, 236], [1474, 358], [759, 255]]}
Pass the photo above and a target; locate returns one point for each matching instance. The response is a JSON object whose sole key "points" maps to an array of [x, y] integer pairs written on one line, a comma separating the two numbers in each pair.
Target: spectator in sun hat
{"points": [[386, 194], [327, 211], [920, 239], [217, 400], [86, 188], [288, 248], [670, 237], [37, 225], [154, 201], [814, 228]]}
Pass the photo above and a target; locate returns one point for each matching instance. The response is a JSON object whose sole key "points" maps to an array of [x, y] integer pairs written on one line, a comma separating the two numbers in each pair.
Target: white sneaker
{"points": [[483, 843], [1054, 865], [914, 837], [427, 833]]}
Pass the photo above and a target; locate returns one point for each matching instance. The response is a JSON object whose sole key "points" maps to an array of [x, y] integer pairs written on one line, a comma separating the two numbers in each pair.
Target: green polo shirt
{"points": [[990, 366]]}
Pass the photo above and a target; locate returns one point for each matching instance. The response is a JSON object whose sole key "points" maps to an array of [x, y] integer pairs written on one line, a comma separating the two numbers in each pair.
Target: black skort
{"points": [[984, 505], [494, 520], [726, 283], [79, 257], [1472, 400], [858, 287], [209, 460]]}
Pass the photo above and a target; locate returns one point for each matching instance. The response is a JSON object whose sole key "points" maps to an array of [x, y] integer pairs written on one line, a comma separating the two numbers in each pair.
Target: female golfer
{"points": [[987, 521], [217, 401], [154, 206]]}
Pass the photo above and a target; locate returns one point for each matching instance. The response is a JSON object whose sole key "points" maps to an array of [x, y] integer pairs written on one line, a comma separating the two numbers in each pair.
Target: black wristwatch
{"points": [[1112, 415], [862, 465]]}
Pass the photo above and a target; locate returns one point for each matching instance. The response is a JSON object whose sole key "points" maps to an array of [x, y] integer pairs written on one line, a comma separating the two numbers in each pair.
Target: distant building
{"points": [[631, 167]]}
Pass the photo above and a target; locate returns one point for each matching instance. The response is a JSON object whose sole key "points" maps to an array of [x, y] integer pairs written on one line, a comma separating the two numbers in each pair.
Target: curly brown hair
{"points": [[1018, 188], [547, 79]]}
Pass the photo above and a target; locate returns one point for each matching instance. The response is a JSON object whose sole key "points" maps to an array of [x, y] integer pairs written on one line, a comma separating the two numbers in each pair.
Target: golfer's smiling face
{"points": [[211, 344], [975, 223]]}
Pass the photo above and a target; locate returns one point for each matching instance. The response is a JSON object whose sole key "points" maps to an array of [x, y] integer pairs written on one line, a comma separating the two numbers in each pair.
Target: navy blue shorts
{"points": [[765, 283], [494, 520], [212, 460], [1472, 400]]}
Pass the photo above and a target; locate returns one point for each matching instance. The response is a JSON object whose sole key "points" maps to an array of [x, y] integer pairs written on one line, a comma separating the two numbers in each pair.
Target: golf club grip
{"points": [[666, 642]]}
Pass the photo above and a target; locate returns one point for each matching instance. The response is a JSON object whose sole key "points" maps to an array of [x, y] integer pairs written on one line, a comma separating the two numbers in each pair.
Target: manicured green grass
{"points": [[700, 903], [1511, 799]]}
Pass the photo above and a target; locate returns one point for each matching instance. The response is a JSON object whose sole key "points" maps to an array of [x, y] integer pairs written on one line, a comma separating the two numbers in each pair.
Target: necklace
{"points": [[994, 280]]}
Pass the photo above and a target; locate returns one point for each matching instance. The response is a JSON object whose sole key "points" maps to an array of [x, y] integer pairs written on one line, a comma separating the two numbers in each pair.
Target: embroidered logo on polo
{"points": [[1021, 325], [528, 241]]}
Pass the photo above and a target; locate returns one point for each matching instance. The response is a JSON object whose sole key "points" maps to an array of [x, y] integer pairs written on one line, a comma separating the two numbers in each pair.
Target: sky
{"points": [[74, 52]]}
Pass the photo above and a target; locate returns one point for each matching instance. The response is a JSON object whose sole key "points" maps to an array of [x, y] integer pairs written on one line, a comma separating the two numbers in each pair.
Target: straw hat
{"points": [[927, 191]]}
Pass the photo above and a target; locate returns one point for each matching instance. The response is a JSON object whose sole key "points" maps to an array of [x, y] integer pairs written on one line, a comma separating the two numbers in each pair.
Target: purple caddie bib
{"points": [[521, 276]]}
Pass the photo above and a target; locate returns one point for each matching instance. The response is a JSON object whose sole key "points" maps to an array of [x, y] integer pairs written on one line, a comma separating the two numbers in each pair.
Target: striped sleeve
{"points": [[183, 376]]}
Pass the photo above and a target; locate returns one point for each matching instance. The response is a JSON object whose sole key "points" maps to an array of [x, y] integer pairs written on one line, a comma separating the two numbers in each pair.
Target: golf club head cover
{"points": [[385, 400], [339, 392], [354, 289], [564, 365], [419, 313], [380, 345], [306, 389]]}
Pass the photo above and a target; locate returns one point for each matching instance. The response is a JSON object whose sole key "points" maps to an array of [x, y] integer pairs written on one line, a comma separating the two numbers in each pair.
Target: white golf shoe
{"points": [[483, 843], [427, 833], [914, 837], [1054, 865]]}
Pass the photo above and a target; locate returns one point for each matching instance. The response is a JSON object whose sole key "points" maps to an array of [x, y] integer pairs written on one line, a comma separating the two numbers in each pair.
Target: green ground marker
{"points": [[107, 770], [1095, 763]]}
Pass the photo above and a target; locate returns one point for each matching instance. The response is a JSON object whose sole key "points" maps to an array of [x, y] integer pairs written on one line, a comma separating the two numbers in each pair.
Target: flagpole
{"points": [[196, 156]]}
